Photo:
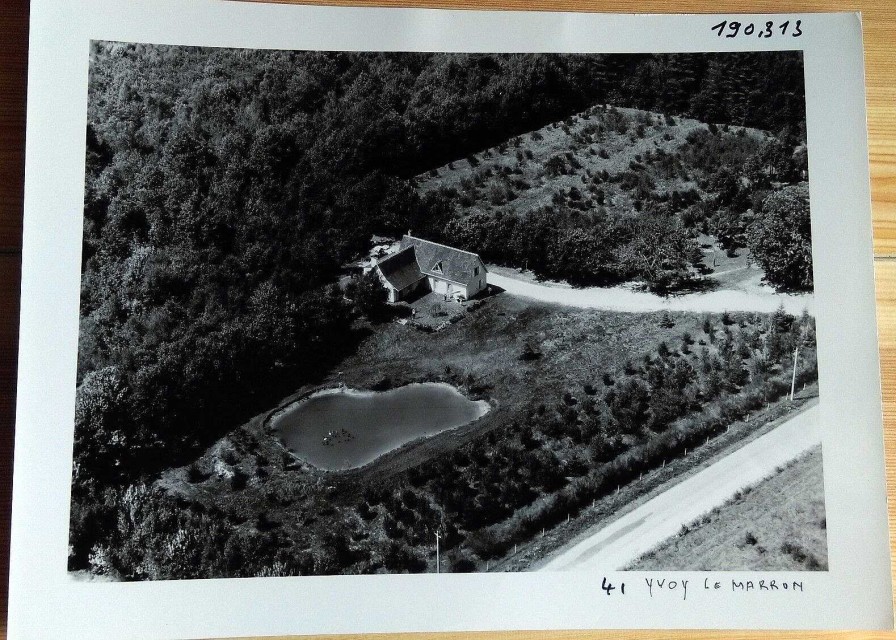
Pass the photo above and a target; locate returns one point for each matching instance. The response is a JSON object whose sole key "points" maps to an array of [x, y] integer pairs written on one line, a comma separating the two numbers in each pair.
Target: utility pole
{"points": [[438, 535], [796, 355]]}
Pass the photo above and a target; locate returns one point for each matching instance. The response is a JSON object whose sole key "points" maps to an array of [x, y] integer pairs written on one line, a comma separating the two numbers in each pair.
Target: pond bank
{"points": [[341, 428]]}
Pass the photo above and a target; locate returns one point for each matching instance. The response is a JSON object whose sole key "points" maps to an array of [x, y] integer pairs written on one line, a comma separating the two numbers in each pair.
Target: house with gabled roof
{"points": [[423, 265]]}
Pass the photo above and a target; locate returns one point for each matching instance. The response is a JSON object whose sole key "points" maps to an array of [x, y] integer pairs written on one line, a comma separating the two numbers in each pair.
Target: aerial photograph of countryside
{"points": [[350, 313]]}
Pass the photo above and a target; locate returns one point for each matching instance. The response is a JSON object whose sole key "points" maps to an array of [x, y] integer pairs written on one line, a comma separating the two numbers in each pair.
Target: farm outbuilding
{"points": [[421, 264]]}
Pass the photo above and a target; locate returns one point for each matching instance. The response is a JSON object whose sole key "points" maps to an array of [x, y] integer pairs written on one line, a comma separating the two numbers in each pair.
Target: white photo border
{"points": [[46, 603]]}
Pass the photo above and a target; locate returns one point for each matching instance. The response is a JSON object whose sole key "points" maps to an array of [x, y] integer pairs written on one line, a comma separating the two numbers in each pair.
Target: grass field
{"points": [[601, 159], [480, 354], [583, 148], [777, 525], [265, 490]]}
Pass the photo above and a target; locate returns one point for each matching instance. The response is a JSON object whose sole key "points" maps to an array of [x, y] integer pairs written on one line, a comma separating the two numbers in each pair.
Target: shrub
{"points": [[529, 353], [239, 480], [195, 474], [463, 565], [794, 551], [399, 559], [264, 523]]}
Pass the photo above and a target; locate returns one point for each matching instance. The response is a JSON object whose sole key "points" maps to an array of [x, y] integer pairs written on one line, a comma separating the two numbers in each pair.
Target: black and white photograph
{"points": [[354, 320], [378, 312]]}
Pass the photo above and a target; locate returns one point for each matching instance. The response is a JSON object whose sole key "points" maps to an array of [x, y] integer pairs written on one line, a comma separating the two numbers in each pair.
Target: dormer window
{"points": [[438, 267]]}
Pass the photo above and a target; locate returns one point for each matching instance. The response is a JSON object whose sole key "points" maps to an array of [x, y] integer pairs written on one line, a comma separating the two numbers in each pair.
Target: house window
{"points": [[476, 271]]}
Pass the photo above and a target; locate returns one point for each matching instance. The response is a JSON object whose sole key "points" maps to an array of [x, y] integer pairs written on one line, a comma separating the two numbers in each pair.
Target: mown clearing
{"points": [[611, 159], [777, 525]]}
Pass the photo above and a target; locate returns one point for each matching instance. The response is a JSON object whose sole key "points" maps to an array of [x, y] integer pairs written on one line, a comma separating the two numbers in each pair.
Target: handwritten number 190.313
{"points": [[733, 28]]}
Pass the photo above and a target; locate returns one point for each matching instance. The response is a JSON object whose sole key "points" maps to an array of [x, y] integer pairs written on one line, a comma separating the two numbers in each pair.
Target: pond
{"points": [[338, 429]]}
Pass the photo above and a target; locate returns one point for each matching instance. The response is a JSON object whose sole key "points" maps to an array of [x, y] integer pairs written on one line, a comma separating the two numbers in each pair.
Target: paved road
{"points": [[640, 530], [620, 299]]}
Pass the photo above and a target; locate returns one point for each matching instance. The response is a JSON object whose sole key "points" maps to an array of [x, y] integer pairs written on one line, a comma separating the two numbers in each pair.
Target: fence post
{"points": [[796, 355]]}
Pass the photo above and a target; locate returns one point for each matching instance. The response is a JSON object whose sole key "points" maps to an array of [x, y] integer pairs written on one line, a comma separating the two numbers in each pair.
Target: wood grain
{"points": [[13, 55], [879, 19]]}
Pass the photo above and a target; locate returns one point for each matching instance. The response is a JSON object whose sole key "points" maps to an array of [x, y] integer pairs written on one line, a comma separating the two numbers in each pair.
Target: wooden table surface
{"points": [[879, 19]]}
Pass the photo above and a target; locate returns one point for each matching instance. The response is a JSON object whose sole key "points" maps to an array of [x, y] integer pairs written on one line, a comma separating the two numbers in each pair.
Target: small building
{"points": [[423, 265]]}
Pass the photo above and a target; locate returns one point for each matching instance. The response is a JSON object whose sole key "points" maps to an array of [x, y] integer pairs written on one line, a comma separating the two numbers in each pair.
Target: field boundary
{"points": [[605, 511]]}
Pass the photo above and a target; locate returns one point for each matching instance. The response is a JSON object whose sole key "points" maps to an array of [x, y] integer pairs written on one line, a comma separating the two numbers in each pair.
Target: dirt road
{"points": [[619, 543], [622, 299]]}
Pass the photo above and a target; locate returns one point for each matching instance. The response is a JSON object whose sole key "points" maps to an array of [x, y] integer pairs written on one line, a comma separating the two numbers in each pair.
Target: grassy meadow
{"points": [[603, 159], [776, 525], [569, 422]]}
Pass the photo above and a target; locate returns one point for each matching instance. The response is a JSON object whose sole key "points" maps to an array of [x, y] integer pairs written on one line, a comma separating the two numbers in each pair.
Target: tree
{"points": [[584, 256], [629, 404], [780, 239], [660, 252], [369, 296]]}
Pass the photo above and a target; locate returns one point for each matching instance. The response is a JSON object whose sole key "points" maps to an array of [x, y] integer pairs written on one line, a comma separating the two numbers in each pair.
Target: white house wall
{"points": [[474, 284], [478, 282], [438, 286]]}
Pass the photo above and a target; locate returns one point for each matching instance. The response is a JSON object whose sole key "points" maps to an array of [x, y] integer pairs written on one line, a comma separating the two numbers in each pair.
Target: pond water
{"points": [[339, 429]]}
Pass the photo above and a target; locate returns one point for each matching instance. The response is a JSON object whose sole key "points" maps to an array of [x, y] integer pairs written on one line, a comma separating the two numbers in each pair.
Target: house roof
{"points": [[400, 269], [442, 261]]}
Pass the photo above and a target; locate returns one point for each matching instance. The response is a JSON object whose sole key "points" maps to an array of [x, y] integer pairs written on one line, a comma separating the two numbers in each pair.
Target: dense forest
{"points": [[225, 188]]}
